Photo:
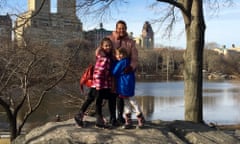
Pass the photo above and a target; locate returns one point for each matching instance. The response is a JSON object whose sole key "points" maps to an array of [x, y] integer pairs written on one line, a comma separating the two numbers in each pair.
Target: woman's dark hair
{"points": [[121, 22]]}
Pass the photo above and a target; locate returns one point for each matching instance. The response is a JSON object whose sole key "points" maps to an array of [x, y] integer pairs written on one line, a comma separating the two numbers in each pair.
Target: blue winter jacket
{"points": [[125, 81]]}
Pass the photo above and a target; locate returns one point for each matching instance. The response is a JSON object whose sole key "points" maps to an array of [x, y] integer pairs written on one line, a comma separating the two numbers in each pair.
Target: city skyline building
{"points": [[40, 26], [147, 36], [5, 32], [96, 35], [146, 39]]}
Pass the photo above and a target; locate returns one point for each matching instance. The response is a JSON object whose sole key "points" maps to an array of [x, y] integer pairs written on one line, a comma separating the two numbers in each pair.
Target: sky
{"points": [[221, 27]]}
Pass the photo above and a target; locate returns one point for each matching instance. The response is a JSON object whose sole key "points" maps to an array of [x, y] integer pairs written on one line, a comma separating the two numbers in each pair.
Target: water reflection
{"points": [[161, 107], [146, 104], [221, 101]]}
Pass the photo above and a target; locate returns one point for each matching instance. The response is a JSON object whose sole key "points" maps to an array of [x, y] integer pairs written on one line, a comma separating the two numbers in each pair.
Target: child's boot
{"points": [[128, 121], [79, 119], [141, 120]]}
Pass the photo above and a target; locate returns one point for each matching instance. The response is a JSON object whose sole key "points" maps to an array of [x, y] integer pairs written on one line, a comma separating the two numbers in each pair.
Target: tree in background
{"points": [[221, 63], [27, 74], [30, 71], [84, 56], [26, 78]]}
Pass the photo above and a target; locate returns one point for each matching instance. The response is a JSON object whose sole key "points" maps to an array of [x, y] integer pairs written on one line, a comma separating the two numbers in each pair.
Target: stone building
{"points": [[39, 25], [96, 35], [146, 41], [5, 32], [228, 51]]}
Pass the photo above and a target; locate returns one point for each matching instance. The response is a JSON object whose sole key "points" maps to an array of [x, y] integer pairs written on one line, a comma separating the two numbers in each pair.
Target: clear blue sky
{"points": [[222, 28]]}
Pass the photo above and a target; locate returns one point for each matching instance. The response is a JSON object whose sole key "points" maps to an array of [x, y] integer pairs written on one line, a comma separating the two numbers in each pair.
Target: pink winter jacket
{"points": [[102, 74]]}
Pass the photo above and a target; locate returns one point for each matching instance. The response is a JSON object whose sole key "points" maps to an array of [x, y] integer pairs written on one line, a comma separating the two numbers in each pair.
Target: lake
{"points": [[158, 100], [165, 101]]}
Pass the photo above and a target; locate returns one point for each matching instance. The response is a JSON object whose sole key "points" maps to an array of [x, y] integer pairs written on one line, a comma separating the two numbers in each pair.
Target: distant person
{"points": [[126, 87], [120, 38], [101, 87]]}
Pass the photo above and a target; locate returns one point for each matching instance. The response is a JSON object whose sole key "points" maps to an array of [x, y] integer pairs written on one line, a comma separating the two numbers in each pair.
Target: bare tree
{"points": [[26, 78], [147, 61], [192, 13], [29, 72]]}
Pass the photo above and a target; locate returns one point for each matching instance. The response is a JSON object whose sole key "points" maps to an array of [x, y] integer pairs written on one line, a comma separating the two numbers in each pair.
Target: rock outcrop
{"points": [[155, 132]]}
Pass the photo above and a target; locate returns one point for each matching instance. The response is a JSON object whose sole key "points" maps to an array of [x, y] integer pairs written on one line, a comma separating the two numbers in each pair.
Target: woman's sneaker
{"points": [[121, 120], [113, 123]]}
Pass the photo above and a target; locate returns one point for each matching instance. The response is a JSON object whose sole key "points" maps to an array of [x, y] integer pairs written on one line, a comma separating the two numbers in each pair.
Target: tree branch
{"points": [[44, 92], [33, 15], [176, 4]]}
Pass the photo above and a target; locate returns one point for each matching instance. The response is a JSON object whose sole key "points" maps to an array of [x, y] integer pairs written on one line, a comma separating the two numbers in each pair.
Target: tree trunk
{"points": [[12, 123], [193, 62], [13, 128]]}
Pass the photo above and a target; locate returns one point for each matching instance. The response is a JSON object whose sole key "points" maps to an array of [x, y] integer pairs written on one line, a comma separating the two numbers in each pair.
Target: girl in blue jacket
{"points": [[126, 87]]}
